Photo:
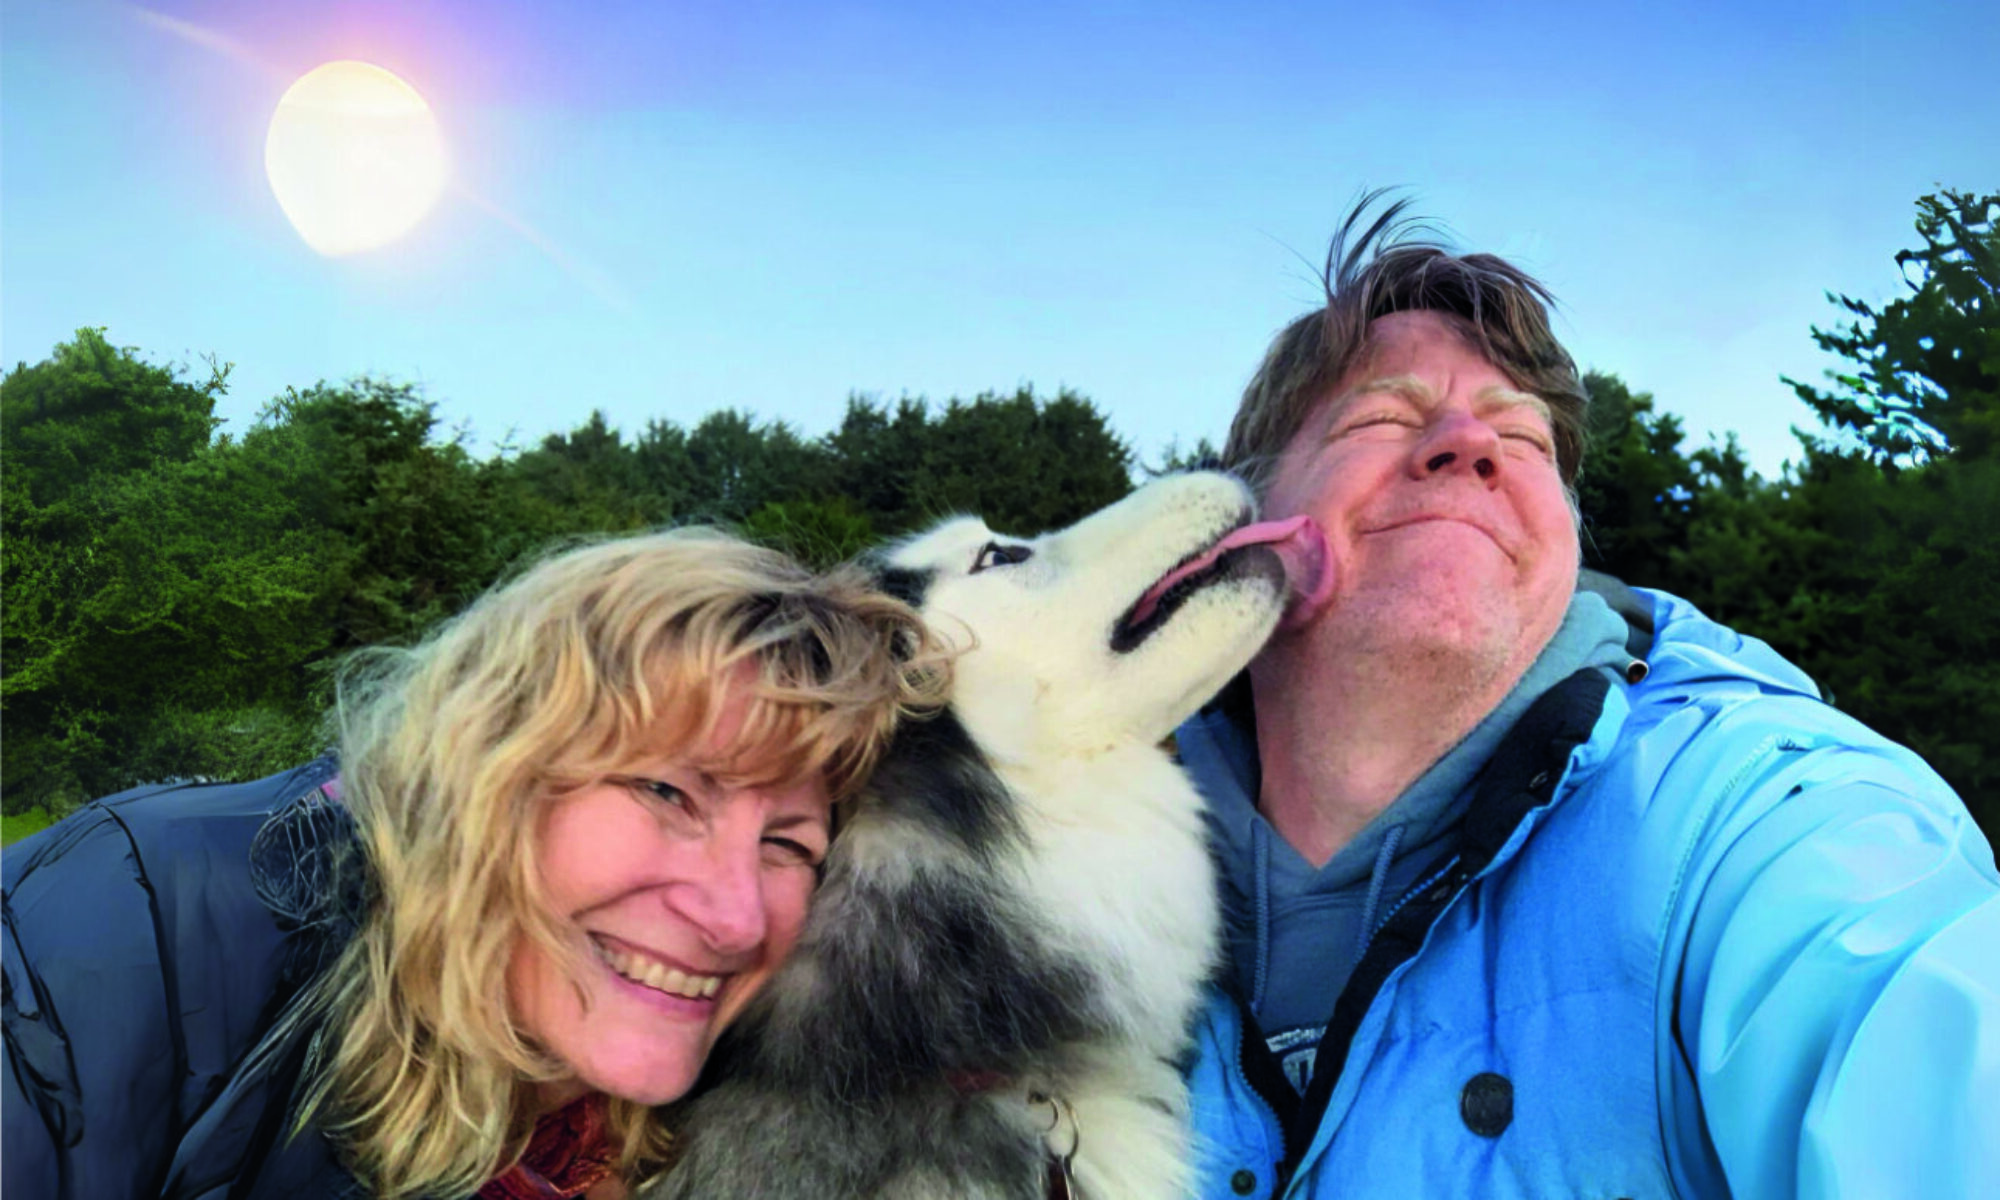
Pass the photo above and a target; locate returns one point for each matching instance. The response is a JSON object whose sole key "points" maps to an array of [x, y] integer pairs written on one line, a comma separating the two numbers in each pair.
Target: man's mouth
{"points": [[652, 973], [1297, 542], [1429, 518]]}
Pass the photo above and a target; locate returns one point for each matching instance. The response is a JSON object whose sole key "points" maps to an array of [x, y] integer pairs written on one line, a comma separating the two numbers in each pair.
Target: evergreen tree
{"points": [[1926, 374], [1904, 493]]}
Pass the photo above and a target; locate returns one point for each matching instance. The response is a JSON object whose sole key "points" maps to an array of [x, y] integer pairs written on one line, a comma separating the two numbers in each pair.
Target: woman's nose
{"points": [[1457, 442], [725, 900]]}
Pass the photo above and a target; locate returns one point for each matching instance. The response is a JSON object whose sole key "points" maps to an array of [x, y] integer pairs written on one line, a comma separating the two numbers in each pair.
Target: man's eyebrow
{"points": [[1495, 395], [1409, 387]]}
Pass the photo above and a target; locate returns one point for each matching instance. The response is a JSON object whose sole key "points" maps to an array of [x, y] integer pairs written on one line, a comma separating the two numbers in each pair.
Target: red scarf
{"points": [[569, 1153]]}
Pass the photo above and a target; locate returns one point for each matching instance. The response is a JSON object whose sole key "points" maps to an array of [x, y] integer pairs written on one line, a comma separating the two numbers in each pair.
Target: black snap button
{"points": [[1243, 1182], [1487, 1104]]}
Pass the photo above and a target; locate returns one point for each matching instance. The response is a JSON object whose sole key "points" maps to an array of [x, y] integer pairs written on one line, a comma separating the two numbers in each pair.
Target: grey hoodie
{"points": [[1295, 933]]}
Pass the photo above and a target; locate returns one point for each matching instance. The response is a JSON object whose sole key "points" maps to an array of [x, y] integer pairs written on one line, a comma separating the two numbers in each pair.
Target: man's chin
{"points": [[1441, 620]]}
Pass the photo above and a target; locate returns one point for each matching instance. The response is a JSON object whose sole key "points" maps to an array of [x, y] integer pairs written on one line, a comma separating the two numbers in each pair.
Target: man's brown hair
{"points": [[1391, 265]]}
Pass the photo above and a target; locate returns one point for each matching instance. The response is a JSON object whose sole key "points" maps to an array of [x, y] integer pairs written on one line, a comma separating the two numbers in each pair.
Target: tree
{"points": [[819, 533], [1905, 499], [1637, 491], [1023, 463], [1203, 455], [735, 466], [1927, 365], [92, 409], [1699, 524], [411, 514], [162, 592], [881, 462], [175, 600], [587, 479]]}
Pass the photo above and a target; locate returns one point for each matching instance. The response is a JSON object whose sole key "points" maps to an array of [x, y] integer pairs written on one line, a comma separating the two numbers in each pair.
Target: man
{"points": [[1540, 890]]}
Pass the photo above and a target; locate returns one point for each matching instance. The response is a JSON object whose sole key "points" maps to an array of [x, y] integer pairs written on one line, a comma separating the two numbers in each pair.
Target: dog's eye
{"points": [[993, 554]]}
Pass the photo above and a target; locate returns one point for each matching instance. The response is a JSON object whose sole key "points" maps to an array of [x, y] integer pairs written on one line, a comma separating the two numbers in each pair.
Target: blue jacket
{"points": [[151, 938], [1699, 935]]}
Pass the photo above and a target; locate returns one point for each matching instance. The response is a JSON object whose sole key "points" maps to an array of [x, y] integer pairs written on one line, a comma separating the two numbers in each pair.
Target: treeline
{"points": [[175, 596], [1874, 561]]}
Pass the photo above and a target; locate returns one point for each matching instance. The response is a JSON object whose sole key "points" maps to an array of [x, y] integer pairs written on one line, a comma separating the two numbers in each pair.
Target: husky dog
{"points": [[1004, 960]]}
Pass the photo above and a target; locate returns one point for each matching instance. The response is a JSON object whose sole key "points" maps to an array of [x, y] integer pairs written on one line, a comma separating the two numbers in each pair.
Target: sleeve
{"points": [[92, 1064], [36, 1106], [1838, 1000]]}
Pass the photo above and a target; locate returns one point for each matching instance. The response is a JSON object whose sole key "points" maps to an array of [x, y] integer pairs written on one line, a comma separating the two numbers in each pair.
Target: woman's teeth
{"points": [[657, 975]]}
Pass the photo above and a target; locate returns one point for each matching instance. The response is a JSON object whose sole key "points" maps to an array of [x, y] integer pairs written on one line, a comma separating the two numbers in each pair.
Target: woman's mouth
{"points": [[652, 973]]}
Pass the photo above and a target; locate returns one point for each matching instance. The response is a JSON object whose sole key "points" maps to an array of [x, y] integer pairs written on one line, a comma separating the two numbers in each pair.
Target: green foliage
{"points": [[1636, 488], [1900, 597], [1927, 366], [176, 601], [819, 533], [1203, 454], [1873, 563], [734, 466], [93, 410], [590, 479], [404, 511], [171, 581], [15, 826], [1903, 581], [1025, 465]]}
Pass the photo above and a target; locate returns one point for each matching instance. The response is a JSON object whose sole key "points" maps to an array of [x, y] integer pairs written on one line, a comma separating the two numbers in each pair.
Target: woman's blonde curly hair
{"points": [[584, 663]]}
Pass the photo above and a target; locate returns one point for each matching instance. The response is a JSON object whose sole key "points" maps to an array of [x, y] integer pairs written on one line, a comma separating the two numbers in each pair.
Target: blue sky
{"points": [[662, 209]]}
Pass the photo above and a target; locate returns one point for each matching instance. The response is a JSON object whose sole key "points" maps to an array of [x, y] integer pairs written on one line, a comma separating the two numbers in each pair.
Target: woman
{"points": [[572, 832]]}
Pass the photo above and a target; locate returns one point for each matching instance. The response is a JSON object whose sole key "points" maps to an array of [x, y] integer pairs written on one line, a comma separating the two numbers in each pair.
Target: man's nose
{"points": [[1457, 442]]}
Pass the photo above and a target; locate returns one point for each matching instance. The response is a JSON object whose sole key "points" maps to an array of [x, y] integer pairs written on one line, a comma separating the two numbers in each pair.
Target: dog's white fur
{"points": [[1021, 905], [1074, 729]]}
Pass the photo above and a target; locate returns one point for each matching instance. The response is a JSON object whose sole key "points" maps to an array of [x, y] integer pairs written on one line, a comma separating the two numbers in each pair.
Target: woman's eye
{"points": [[785, 852], [661, 796], [662, 790], [993, 554]]}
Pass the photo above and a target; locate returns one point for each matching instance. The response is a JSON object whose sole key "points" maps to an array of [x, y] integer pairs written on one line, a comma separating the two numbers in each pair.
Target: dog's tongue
{"points": [[1299, 544]]}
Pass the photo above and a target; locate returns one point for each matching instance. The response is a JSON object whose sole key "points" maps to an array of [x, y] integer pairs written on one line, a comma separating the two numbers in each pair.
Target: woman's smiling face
{"points": [[690, 890]]}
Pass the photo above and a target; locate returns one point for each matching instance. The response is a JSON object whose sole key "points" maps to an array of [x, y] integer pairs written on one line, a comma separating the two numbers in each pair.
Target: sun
{"points": [[354, 156]]}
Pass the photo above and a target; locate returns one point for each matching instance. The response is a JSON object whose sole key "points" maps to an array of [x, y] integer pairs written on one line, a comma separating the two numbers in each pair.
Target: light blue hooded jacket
{"points": [[1698, 935]]}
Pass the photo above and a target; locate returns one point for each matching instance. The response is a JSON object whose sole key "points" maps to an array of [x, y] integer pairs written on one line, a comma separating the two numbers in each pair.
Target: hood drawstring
{"points": [[1392, 839]]}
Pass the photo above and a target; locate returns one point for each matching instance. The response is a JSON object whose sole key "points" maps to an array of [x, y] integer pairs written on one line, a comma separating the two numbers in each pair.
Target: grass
{"points": [[15, 826]]}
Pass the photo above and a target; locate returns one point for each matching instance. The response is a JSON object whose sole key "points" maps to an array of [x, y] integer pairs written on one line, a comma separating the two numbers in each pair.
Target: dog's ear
{"points": [[874, 562], [903, 583]]}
